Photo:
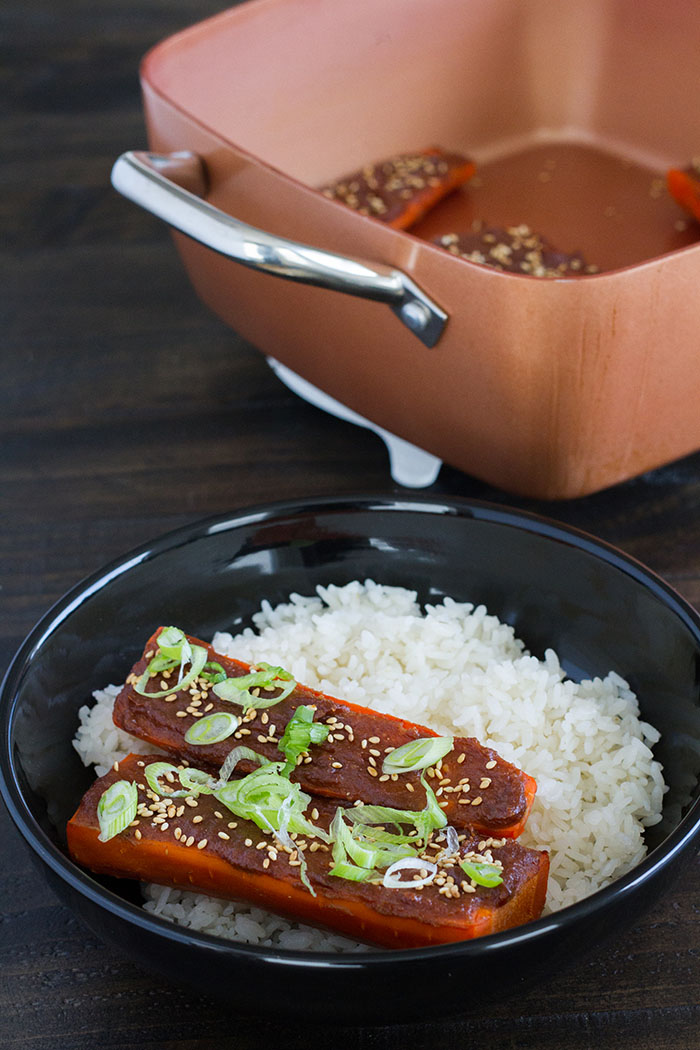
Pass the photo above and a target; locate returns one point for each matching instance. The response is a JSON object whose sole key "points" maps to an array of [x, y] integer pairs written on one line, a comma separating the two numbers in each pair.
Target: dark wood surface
{"points": [[127, 410]]}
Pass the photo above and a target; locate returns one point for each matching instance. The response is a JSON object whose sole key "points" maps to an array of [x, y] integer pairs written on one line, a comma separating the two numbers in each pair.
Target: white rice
{"points": [[462, 672]]}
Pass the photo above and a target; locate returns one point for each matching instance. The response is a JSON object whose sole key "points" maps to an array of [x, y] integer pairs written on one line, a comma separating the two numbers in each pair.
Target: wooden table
{"points": [[127, 410]]}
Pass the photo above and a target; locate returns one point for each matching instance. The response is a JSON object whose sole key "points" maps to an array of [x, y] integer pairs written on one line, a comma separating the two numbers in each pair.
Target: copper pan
{"points": [[550, 388]]}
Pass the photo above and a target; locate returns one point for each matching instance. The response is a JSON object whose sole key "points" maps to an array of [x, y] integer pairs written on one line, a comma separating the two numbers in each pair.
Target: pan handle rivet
{"points": [[415, 315]]}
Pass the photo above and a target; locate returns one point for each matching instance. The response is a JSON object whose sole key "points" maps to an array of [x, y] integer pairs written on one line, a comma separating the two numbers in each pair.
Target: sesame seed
{"points": [[337, 765], [372, 771], [189, 841], [202, 844], [181, 714], [477, 801], [374, 740], [491, 764], [248, 842], [137, 834], [484, 783], [223, 835], [198, 819]]}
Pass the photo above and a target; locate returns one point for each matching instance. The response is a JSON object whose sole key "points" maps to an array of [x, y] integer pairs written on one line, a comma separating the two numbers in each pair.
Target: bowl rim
{"points": [[84, 884]]}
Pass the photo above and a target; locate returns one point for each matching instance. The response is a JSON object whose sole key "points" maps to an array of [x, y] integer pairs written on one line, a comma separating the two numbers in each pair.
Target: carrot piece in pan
{"points": [[475, 786], [684, 186], [402, 189], [196, 847], [514, 249]]}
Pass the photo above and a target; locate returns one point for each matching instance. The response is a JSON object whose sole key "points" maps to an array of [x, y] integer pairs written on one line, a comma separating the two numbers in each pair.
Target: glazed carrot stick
{"points": [[199, 848], [684, 186], [475, 787], [402, 189]]}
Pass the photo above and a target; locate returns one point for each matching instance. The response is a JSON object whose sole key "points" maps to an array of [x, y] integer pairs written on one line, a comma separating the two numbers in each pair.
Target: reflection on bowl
{"points": [[558, 588]]}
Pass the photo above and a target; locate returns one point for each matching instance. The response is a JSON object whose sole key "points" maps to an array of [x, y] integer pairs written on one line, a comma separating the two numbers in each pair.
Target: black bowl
{"points": [[597, 608]]}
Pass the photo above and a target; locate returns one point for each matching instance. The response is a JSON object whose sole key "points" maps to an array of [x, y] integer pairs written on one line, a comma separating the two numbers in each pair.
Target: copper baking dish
{"points": [[550, 388]]}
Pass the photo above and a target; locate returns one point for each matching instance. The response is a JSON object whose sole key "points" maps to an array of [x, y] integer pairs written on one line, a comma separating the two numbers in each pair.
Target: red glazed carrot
{"points": [[475, 786], [202, 851], [402, 189], [684, 187]]}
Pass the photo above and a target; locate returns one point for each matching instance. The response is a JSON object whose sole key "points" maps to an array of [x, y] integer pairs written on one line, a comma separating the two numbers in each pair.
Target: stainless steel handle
{"points": [[147, 179]]}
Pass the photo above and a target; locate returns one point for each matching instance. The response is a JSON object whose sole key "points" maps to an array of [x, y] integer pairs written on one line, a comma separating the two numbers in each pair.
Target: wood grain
{"points": [[127, 410]]}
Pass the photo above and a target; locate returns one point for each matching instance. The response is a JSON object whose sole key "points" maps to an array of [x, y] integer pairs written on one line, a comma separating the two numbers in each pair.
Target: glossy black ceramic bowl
{"points": [[598, 609]]}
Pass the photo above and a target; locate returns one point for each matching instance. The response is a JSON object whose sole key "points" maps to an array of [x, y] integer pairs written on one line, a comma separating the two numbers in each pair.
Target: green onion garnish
{"points": [[173, 644], [417, 754], [197, 782], [213, 672], [155, 770], [363, 849], [211, 729], [414, 864], [239, 690], [174, 649], [116, 808], [481, 873], [300, 732], [275, 804], [424, 820], [233, 758], [351, 872]]}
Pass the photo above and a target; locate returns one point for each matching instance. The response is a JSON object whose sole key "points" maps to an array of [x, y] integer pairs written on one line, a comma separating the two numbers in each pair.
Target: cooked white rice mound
{"points": [[462, 672]]}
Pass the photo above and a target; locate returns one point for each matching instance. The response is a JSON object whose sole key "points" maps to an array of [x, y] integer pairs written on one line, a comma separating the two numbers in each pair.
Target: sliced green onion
{"points": [[417, 754], [259, 797], [173, 644], [155, 770], [197, 782], [211, 729], [275, 804], [300, 732], [432, 817], [351, 872], [411, 863], [197, 658], [116, 808], [213, 672], [362, 846], [423, 820], [481, 873], [239, 690], [233, 758]]}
